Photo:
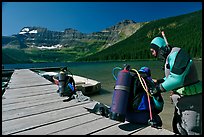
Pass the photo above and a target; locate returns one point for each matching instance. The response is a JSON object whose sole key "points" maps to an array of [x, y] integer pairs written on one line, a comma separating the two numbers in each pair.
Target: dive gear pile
{"points": [[67, 87], [66, 83], [132, 94]]}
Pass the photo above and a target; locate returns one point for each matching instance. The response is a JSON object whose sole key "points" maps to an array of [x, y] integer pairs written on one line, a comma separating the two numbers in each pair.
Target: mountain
{"points": [[38, 36], [183, 31], [127, 40], [67, 45]]}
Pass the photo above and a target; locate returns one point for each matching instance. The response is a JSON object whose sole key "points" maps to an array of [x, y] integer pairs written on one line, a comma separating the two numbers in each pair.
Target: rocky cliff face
{"points": [[37, 36]]}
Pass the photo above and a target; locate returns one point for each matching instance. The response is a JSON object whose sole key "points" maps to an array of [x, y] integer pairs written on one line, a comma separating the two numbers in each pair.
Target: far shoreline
{"points": [[195, 59]]}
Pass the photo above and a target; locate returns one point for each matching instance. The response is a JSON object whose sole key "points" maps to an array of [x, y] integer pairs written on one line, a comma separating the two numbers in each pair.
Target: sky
{"points": [[86, 17]]}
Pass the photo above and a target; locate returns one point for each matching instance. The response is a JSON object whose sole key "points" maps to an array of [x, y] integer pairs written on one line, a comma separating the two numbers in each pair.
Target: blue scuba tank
{"points": [[120, 96]]}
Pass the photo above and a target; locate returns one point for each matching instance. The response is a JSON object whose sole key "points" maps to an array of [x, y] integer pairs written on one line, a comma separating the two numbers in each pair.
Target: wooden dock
{"points": [[31, 106]]}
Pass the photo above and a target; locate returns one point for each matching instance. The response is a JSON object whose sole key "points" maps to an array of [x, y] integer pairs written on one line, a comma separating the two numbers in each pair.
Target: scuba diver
{"points": [[182, 79]]}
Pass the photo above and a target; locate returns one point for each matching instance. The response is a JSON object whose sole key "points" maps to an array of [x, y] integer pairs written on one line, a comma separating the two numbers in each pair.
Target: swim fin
{"points": [[100, 109]]}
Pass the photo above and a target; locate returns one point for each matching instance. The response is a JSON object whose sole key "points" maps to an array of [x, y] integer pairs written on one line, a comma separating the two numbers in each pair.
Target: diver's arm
{"points": [[179, 63]]}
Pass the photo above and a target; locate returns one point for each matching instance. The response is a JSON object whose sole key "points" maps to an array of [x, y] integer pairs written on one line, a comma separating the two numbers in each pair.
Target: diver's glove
{"points": [[158, 89], [159, 81]]}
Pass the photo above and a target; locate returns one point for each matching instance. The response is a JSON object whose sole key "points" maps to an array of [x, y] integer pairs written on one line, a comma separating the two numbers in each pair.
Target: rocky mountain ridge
{"points": [[38, 36]]}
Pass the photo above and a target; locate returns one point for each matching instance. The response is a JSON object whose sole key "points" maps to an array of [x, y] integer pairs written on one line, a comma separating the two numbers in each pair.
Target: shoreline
{"points": [[99, 61]]}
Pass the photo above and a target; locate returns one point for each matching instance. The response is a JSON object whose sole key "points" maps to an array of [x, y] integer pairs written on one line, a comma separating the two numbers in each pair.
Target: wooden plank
{"points": [[35, 109], [30, 103], [24, 77], [35, 82], [38, 97], [153, 131], [88, 128], [33, 121], [125, 128], [20, 99], [61, 125], [12, 113], [31, 91]]}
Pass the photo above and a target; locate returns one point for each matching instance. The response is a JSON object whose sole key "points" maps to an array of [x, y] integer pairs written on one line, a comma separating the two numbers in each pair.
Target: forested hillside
{"points": [[183, 31]]}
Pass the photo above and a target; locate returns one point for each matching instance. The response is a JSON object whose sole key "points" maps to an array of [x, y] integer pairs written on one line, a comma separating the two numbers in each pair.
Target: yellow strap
{"points": [[146, 89]]}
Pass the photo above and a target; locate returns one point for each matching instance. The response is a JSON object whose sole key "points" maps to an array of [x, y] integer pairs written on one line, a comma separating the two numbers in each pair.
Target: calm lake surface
{"points": [[102, 71]]}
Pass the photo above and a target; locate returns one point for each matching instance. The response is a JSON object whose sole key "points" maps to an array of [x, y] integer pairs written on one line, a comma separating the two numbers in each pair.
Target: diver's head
{"points": [[159, 48]]}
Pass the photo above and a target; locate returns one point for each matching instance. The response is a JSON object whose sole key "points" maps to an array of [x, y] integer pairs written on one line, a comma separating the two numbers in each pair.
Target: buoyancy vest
{"points": [[180, 71], [138, 97]]}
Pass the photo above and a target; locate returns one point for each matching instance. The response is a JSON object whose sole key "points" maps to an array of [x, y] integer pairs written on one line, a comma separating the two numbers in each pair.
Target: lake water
{"points": [[102, 71]]}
